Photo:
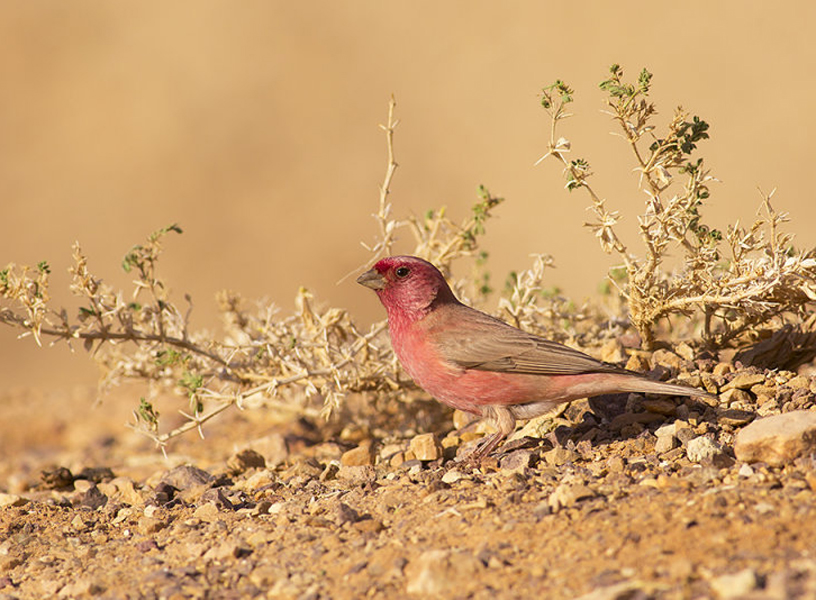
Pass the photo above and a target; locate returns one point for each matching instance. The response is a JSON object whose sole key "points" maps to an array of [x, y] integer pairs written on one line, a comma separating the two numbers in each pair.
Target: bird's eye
{"points": [[402, 272]]}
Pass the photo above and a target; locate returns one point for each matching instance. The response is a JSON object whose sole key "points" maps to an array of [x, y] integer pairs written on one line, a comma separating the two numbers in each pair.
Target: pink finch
{"points": [[479, 364]]}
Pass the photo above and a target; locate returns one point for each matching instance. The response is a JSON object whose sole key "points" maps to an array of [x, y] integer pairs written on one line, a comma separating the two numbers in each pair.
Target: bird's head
{"points": [[407, 285]]}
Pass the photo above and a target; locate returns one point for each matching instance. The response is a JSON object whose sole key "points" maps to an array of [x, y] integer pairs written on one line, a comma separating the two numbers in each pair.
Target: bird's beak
{"points": [[372, 279]]}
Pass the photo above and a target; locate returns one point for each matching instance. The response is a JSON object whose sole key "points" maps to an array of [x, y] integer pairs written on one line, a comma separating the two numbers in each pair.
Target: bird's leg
{"points": [[504, 421]]}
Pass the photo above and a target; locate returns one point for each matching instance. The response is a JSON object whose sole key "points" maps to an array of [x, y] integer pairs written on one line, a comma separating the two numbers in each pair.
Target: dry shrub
{"points": [[308, 360]]}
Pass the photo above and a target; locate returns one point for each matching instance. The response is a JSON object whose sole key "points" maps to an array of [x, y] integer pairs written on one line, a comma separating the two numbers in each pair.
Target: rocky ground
{"points": [[615, 498]]}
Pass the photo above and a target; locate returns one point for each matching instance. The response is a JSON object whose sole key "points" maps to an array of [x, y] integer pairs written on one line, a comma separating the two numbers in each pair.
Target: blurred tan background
{"points": [[254, 126]]}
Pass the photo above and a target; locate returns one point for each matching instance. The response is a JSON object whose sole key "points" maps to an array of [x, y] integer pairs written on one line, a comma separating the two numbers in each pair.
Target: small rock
{"points": [[661, 406], [148, 526], [453, 476], [12, 500], [567, 494], [735, 417], [342, 513], [638, 362], [186, 476], [559, 456], [735, 395], [779, 439], [626, 590], [435, 573], [517, 461], [735, 585], [426, 447], [702, 447], [258, 481], [745, 471], [612, 352], [368, 525], [685, 351], [218, 497], [206, 512], [723, 368], [123, 490], [92, 498], [668, 430], [800, 382], [96, 474], [57, 478], [227, 551], [665, 443], [359, 456], [763, 389], [84, 587], [744, 381], [357, 474], [244, 460], [668, 359], [272, 447], [461, 419]]}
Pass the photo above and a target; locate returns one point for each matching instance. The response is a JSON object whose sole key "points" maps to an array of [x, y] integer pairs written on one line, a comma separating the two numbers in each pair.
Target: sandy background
{"points": [[254, 126]]}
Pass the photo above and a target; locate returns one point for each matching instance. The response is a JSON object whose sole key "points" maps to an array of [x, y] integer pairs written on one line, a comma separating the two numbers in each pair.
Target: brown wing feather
{"points": [[488, 344]]}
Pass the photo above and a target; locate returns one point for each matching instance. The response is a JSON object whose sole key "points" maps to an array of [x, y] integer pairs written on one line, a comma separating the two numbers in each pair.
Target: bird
{"points": [[479, 364]]}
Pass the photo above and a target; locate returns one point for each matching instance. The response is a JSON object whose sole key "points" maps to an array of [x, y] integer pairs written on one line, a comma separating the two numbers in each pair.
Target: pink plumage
{"points": [[477, 363]]}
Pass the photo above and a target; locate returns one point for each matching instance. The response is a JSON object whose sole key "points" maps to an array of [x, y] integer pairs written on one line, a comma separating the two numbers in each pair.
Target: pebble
{"points": [[735, 585], [723, 368], [12, 500], [560, 456], [612, 352], [357, 474], [244, 460], [439, 572], [426, 447], [206, 512], [186, 476], [735, 395], [359, 456], [661, 406], [453, 476], [666, 443], [517, 461], [744, 381], [735, 417], [778, 439], [273, 448], [567, 494], [702, 447]]}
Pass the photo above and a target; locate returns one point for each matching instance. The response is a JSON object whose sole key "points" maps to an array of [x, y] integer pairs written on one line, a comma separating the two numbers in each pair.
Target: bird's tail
{"points": [[643, 385]]}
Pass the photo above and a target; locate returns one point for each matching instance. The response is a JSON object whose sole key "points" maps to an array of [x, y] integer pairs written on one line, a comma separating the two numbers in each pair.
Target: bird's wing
{"points": [[484, 343]]}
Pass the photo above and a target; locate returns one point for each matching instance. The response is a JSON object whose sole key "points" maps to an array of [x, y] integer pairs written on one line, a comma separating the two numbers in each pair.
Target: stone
{"points": [[567, 494], [744, 381], [359, 456], [702, 447], [732, 395], [665, 443], [516, 461], [12, 500], [612, 352], [244, 460], [186, 476], [559, 456], [723, 368], [273, 448], [778, 439], [435, 573], [426, 447], [661, 406], [735, 585], [453, 476]]}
